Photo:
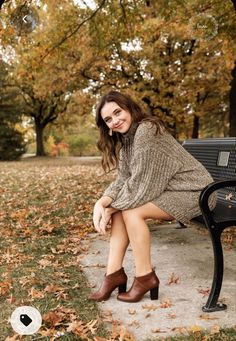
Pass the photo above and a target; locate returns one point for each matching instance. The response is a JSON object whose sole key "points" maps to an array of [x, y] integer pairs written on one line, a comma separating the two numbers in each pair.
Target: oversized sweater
{"points": [[157, 169]]}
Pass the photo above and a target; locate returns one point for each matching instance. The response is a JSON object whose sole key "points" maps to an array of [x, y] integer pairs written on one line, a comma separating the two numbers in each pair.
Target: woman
{"points": [[157, 179]]}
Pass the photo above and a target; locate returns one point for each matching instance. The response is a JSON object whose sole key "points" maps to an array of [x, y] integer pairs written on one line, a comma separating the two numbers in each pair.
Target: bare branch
{"points": [[70, 34]]}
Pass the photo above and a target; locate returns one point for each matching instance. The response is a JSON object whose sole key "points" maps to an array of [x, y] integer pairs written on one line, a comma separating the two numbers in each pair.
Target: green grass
{"points": [[41, 231]]}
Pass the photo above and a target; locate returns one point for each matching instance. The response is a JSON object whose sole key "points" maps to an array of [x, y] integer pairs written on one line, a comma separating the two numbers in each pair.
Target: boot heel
{"points": [[122, 288], [154, 293]]}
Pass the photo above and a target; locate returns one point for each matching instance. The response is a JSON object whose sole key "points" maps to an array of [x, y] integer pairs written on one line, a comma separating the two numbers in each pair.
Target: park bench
{"points": [[218, 155]]}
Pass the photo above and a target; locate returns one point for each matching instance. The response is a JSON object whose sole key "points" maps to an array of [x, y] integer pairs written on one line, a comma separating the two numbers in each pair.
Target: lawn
{"points": [[45, 214]]}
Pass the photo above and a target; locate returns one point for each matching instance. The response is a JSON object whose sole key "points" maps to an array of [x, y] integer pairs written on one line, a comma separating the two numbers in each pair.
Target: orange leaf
{"points": [[52, 318], [166, 303], [158, 330], [173, 279]]}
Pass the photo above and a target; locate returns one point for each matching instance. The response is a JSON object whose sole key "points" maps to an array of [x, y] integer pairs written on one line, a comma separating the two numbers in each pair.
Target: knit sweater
{"points": [[157, 169]]}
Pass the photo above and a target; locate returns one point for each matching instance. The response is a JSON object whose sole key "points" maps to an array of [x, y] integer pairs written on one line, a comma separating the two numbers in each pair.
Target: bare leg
{"points": [[119, 242], [139, 234]]}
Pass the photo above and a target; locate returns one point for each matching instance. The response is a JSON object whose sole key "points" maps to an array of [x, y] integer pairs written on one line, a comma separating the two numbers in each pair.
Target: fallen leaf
{"points": [[33, 293], [181, 330], [204, 292], [52, 318], [229, 196], [215, 329], [166, 303], [132, 311], [148, 315], [171, 316], [208, 317], [149, 307], [134, 323], [107, 316], [174, 279], [157, 330], [5, 286], [195, 329]]}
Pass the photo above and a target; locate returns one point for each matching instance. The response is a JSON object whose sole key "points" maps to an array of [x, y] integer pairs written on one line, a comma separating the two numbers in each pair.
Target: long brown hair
{"points": [[111, 145]]}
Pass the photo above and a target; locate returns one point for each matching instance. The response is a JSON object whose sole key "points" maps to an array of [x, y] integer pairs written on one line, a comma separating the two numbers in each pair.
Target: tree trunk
{"points": [[232, 104], [39, 138], [195, 130]]}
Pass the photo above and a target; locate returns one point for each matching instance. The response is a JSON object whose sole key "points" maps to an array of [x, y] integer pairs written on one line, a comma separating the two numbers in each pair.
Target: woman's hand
{"points": [[106, 218], [98, 214]]}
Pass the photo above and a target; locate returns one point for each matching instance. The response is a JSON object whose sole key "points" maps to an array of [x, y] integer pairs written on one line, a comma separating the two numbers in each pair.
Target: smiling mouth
{"points": [[119, 126]]}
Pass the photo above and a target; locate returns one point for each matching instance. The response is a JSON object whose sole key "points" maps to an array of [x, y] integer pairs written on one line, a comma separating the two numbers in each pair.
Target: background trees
{"points": [[176, 59], [12, 144]]}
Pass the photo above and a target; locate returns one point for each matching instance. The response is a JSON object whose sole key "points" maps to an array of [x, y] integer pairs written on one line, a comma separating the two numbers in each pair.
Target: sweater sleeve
{"points": [[123, 173], [152, 170]]}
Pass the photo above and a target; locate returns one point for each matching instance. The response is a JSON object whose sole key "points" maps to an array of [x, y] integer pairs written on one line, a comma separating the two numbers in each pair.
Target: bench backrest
{"points": [[218, 155]]}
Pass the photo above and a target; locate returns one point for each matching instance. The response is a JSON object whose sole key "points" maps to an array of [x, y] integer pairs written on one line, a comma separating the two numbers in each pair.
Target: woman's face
{"points": [[116, 118]]}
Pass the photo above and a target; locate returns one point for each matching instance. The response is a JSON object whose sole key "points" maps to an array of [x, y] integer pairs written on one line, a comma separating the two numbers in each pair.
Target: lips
{"points": [[119, 126]]}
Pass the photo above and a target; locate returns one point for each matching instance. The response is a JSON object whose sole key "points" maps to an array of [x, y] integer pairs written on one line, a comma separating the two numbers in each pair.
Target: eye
{"points": [[108, 120], [117, 112]]}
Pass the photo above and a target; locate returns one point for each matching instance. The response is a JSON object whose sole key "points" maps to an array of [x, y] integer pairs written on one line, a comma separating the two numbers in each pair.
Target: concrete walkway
{"points": [[183, 259]]}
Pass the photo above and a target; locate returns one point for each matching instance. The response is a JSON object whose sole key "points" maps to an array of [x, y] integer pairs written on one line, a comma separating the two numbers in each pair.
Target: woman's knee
{"points": [[117, 219], [132, 214]]}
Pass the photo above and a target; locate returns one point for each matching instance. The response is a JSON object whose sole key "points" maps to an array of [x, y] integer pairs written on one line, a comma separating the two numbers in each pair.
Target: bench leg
{"points": [[212, 304]]}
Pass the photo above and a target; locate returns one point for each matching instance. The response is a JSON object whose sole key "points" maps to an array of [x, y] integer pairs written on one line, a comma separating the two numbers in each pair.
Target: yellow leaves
{"points": [[195, 329]]}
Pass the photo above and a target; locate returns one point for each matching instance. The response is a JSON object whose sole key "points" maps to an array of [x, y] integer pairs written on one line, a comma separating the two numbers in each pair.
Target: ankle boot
{"points": [[110, 283], [140, 286]]}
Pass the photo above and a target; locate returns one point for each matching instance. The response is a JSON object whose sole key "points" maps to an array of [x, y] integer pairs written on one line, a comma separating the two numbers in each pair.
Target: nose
{"points": [[115, 121]]}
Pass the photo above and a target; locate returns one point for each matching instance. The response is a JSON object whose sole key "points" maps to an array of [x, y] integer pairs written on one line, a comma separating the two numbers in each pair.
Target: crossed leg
{"points": [[130, 226]]}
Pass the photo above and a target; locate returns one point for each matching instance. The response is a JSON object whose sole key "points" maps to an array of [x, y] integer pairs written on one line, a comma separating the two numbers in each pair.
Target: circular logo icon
{"points": [[203, 27], [24, 19], [26, 320]]}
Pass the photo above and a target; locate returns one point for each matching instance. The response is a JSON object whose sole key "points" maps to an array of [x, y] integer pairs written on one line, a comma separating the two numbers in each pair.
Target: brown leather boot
{"points": [[140, 286], [110, 283]]}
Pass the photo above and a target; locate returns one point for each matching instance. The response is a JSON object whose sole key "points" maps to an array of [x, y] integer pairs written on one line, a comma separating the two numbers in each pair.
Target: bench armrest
{"points": [[204, 196]]}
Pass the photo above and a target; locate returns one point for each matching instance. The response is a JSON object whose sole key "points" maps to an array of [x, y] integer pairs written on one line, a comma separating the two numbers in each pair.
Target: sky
{"points": [[83, 3]]}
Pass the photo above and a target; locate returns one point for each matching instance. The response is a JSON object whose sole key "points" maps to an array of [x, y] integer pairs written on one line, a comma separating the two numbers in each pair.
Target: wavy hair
{"points": [[111, 145]]}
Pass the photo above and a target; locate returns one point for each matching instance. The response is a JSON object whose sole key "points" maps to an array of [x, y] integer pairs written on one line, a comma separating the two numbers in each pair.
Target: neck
{"points": [[131, 132]]}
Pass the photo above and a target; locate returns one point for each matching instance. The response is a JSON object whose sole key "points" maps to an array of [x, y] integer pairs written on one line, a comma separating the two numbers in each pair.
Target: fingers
{"points": [[99, 220]]}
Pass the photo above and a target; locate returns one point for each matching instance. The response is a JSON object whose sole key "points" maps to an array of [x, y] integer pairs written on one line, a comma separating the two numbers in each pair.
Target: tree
{"points": [[179, 69], [12, 144], [46, 83]]}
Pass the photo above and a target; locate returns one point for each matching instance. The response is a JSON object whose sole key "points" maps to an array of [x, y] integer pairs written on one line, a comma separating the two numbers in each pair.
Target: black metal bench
{"points": [[218, 155]]}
